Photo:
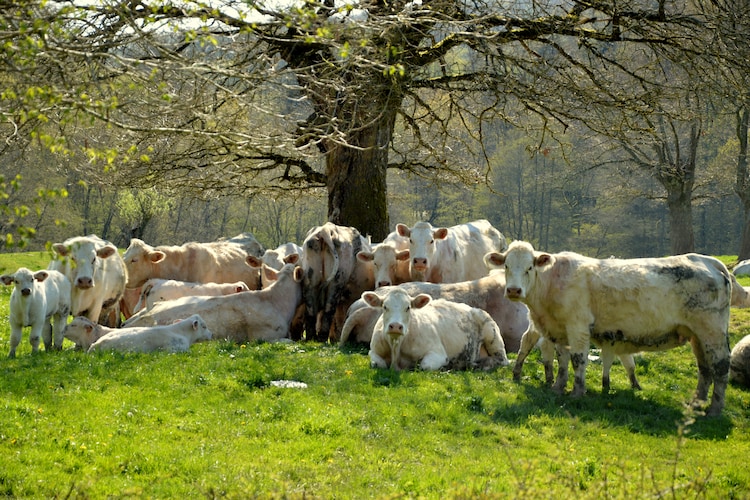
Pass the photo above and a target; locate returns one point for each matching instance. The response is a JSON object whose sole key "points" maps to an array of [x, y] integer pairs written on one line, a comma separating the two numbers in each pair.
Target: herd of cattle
{"points": [[433, 298]]}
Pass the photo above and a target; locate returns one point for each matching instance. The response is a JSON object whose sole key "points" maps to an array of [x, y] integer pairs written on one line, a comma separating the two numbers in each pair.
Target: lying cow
{"points": [[39, 300], [158, 290], [739, 363], [629, 305], [487, 293], [97, 275], [432, 334], [83, 332], [215, 262], [175, 337], [241, 317], [740, 294], [450, 255], [333, 277]]}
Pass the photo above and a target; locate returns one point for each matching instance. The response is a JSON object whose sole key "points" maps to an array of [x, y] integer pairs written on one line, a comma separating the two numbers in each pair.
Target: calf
{"points": [[333, 277], [740, 294], [739, 363], [487, 293], [450, 255], [288, 253], [97, 275], [158, 290], [432, 334], [630, 305], [175, 337], [83, 332], [241, 317], [216, 262], [39, 300], [390, 260]]}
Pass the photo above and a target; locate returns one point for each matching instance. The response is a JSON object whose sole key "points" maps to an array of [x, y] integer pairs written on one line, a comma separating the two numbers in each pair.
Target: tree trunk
{"points": [[356, 179], [681, 235], [742, 183]]}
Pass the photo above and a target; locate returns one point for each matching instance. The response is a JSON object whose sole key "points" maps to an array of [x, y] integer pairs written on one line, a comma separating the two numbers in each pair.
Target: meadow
{"points": [[212, 422]]}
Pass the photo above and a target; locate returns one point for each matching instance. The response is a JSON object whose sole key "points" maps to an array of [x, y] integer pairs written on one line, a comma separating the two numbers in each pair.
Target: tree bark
{"points": [[681, 234], [356, 178], [742, 183]]}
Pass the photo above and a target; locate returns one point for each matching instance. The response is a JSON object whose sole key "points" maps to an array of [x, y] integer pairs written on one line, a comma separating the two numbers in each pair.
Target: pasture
{"points": [[212, 423]]}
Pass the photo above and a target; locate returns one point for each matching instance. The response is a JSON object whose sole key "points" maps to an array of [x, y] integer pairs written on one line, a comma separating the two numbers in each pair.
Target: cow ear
{"points": [[494, 260], [292, 258], [106, 251], [196, 324], [542, 260], [440, 233], [270, 273], [365, 256], [402, 255], [420, 301], [299, 273], [156, 256], [403, 230], [41, 275], [372, 299], [7, 279], [61, 249], [253, 261]]}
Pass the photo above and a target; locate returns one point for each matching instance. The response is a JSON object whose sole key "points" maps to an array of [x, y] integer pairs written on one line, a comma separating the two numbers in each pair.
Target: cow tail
{"points": [[328, 239]]}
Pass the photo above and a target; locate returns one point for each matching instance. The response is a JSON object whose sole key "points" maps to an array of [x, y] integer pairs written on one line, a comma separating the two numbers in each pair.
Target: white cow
{"points": [[175, 337], [742, 268], [288, 253], [390, 259], [84, 332], [432, 334], [630, 305], [214, 262], [158, 290], [487, 293], [97, 275], [241, 317], [450, 255], [37, 298], [739, 364]]}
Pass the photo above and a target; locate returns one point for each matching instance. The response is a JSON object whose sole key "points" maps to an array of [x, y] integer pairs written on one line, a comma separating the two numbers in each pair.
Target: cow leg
{"points": [[16, 332], [608, 356], [713, 366], [580, 341], [376, 361], [547, 349], [493, 343], [35, 335], [528, 341], [628, 361], [433, 361], [58, 330], [47, 334], [563, 360]]}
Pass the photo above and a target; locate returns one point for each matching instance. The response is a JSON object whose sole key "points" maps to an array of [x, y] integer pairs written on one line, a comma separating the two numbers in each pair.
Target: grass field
{"points": [[211, 423]]}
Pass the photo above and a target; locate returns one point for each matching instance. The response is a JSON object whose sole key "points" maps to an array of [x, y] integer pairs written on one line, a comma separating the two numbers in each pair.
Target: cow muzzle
{"points": [[514, 293], [26, 292], [419, 264], [84, 283]]}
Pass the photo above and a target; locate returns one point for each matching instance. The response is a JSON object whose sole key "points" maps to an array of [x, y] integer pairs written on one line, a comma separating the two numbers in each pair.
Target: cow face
{"points": [[200, 328], [139, 258], [520, 263], [391, 265], [84, 254], [80, 331], [396, 306], [422, 238]]}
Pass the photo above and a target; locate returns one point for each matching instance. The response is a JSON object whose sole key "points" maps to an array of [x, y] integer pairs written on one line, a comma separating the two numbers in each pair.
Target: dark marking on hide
{"points": [[650, 341], [577, 359], [677, 273]]}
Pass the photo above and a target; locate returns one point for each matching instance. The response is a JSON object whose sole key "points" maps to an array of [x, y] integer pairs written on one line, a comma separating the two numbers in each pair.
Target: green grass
{"points": [[208, 423]]}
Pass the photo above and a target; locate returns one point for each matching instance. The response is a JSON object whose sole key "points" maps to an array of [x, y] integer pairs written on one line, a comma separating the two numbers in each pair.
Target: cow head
{"points": [[23, 279], [521, 264], [80, 331], [422, 238], [199, 327], [84, 252], [391, 265], [396, 305], [139, 259]]}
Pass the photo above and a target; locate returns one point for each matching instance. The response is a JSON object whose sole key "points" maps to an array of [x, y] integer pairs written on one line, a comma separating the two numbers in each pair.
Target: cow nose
{"points": [[420, 261], [84, 282], [395, 328], [384, 283], [26, 292], [513, 292]]}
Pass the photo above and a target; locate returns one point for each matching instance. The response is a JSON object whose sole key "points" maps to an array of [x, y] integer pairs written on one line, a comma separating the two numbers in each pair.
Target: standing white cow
{"points": [[432, 334], [450, 255], [175, 337], [631, 305], [37, 298], [97, 275], [214, 262]]}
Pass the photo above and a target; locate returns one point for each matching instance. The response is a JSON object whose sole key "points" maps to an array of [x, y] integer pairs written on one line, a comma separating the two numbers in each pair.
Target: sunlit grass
{"points": [[209, 423]]}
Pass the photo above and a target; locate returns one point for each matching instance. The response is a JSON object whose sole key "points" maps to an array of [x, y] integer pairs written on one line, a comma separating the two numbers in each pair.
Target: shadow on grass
{"points": [[633, 410]]}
